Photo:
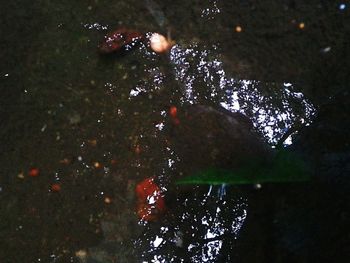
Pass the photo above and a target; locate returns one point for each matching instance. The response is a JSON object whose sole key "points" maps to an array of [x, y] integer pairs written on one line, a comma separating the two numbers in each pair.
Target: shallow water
{"points": [[95, 126]]}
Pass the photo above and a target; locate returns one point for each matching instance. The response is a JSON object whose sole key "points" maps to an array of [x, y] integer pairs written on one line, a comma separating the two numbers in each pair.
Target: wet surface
{"points": [[81, 130]]}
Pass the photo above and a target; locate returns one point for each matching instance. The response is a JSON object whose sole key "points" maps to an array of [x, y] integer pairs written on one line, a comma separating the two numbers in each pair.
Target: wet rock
{"points": [[212, 137]]}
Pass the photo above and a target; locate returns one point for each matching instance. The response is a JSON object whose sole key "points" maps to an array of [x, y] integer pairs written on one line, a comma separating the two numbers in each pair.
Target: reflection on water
{"points": [[88, 129], [197, 76], [196, 68], [192, 234]]}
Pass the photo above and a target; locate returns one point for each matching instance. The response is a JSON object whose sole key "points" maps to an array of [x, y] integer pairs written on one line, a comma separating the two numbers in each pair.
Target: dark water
{"points": [[95, 126]]}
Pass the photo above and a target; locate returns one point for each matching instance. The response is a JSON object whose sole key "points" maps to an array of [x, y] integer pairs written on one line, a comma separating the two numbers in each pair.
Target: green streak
{"points": [[285, 167]]}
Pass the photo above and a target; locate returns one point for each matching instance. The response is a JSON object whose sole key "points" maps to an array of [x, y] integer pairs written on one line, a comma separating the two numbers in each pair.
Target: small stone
{"points": [[238, 29]]}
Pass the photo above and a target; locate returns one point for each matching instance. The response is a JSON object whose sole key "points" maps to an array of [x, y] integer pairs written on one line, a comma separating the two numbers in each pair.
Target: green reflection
{"points": [[286, 167]]}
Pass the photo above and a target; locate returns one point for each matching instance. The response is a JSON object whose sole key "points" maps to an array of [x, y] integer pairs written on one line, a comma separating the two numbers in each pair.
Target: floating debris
{"points": [[120, 40], [150, 200], [160, 44], [173, 112], [34, 172], [56, 187]]}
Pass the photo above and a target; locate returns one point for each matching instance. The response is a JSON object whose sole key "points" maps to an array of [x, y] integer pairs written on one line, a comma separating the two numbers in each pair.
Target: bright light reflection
{"points": [[157, 241], [193, 66], [201, 74], [96, 26], [210, 12]]}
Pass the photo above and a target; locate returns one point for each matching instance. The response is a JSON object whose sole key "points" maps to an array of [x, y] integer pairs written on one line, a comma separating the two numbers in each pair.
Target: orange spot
{"points": [[150, 200], [34, 172], [56, 187], [159, 43], [97, 165], [301, 25], [238, 29], [146, 188], [173, 111], [173, 115], [108, 200]]}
